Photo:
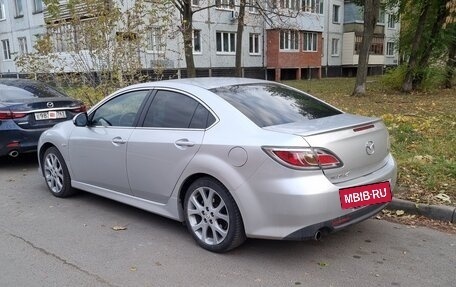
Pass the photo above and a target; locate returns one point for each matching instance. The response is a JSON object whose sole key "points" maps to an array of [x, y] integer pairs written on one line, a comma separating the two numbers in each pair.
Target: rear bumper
{"points": [[295, 204], [13, 138], [336, 224]]}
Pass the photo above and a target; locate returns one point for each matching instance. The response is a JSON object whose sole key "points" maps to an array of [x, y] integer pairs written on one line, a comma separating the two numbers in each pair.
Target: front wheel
{"points": [[56, 173], [212, 216]]}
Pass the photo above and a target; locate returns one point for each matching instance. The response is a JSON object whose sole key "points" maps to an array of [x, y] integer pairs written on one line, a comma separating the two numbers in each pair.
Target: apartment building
{"points": [[21, 22], [282, 39]]}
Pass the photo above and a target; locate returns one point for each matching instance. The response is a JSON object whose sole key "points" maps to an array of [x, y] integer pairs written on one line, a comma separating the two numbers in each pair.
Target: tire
{"points": [[56, 173], [212, 216]]}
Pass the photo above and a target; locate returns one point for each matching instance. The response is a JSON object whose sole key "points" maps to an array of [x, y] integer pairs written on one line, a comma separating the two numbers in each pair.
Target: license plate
{"points": [[365, 195], [51, 115]]}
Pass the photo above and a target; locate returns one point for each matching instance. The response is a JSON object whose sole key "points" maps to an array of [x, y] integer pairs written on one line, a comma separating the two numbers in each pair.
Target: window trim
{"points": [[35, 10], [18, 9], [200, 42], [387, 50], [2, 10], [334, 20], [391, 20], [336, 41], [304, 41], [229, 43], [148, 104], [289, 41], [160, 42], [139, 115], [6, 52], [257, 37], [22, 40], [225, 6]]}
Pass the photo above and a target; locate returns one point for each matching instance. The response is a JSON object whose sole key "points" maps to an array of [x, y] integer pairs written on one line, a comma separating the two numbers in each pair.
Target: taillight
{"points": [[304, 158], [7, 115]]}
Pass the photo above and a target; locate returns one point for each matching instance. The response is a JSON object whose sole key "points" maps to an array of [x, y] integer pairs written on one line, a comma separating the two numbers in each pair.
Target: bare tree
{"points": [[371, 12]]}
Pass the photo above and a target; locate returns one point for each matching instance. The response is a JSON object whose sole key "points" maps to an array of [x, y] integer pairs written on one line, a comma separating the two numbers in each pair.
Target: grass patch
{"points": [[422, 127]]}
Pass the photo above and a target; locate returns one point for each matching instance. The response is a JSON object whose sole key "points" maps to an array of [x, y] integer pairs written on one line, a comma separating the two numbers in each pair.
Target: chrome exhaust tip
{"points": [[13, 153]]}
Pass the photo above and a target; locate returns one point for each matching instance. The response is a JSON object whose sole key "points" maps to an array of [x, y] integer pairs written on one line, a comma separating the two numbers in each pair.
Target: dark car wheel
{"points": [[212, 216], [56, 173]]}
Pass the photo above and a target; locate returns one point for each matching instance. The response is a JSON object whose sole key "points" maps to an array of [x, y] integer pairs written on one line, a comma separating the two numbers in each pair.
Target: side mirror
{"points": [[81, 120]]}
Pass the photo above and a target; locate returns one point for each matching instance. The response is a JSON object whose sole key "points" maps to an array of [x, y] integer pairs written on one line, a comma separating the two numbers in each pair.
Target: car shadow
{"points": [[26, 160], [256, 248]]}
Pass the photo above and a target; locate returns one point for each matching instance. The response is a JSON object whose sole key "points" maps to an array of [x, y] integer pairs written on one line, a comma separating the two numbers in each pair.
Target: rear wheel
{"points": [[212, 216], [56, 173]]}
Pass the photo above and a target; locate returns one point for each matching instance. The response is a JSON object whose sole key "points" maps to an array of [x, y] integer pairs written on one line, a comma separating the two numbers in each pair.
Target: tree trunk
{"points": [[451, 65], [187, 33], [371, 11], [407, 85], [240, 32], [430, 44]]}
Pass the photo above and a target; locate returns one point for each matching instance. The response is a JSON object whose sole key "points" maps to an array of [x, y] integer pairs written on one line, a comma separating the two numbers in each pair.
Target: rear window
{"points": [[19, 90], [270, 104]]}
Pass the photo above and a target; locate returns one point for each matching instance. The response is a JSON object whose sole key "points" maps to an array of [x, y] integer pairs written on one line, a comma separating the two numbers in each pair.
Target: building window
{"points": [[37, 6], [2, 10], [310, 42], [224, 4], [252, 6], [226, 42], [312, 6], [22, 45], [289, 4], [18, 8], [376, 47], [196, 41], [6, 50], [289, 40], [381, 16], [254, 44], [156, 43], [336, 10], [391, 21], [390, 48], [335, 47], [195, 2]]}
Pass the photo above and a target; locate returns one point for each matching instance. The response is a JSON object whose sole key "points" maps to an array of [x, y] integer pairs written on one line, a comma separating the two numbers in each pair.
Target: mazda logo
{"points": [[50, 104], [370, 147]]}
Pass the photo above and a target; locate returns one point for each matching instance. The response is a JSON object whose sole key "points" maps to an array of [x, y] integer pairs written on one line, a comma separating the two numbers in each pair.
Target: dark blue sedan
{"points": [[27, 108]]}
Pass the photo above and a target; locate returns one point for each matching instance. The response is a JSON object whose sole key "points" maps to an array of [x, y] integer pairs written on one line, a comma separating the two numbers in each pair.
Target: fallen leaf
{"points": [[133, 268], [400, 212], [443, 197], [322, 264], [118, 228]]}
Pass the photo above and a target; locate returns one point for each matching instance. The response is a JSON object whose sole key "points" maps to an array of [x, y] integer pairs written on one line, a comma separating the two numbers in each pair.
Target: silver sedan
{"points": [[233, 158]]}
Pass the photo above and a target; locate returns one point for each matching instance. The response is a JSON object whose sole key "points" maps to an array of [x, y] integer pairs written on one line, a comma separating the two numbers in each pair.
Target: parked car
{"points": [[233, 158], [27, 108]]}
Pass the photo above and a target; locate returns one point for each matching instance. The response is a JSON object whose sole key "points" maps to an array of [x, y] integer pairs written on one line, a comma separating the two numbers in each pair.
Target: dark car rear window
{"points": [[270, 104], [20, 90]]}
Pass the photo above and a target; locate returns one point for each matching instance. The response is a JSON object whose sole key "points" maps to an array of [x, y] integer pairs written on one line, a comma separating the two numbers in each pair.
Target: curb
{"points": [[439, 212]]}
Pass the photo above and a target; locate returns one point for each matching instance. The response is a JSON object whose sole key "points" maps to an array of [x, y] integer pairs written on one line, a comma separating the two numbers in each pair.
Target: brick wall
{"points": [[291, 59]]}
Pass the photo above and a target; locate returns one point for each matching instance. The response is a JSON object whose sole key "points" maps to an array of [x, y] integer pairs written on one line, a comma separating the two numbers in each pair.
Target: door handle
{"points": [[118, 140], [184, 143]]}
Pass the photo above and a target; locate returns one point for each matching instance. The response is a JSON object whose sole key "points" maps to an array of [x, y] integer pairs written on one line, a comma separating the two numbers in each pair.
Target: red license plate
{"points": [[365, 195]]}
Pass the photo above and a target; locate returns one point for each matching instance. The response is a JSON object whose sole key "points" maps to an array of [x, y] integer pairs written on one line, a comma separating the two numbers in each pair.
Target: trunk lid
{"points": [[361, 143]]}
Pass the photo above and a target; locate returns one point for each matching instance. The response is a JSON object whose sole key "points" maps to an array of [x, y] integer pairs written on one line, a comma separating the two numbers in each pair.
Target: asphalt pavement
{"points": [[47, 241]]}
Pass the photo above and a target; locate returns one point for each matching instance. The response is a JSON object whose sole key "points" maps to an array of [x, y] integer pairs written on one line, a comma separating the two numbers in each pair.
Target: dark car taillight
{"points": [[8, 115], [304, 158]]}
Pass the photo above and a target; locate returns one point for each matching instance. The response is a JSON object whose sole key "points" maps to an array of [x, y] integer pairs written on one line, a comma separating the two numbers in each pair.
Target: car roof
{"points": [[19, 82], [204, 82]]}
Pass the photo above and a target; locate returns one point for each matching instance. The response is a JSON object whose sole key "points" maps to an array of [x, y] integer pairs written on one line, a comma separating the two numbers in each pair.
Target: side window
{"points": [[120, 111], [174, 110]]}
